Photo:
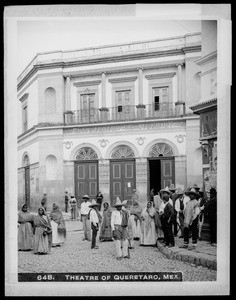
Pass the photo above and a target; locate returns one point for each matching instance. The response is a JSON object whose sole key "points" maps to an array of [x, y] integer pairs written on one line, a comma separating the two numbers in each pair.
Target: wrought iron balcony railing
{"points": [[125, 113]]}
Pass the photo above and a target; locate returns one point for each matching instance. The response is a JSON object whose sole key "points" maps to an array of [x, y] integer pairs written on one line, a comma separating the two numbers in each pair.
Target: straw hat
{"points": [[195, 186], [172, 188], [93, 203], [119, 203], [179, 191], [166, 189], [86, 197], [193, 192]]}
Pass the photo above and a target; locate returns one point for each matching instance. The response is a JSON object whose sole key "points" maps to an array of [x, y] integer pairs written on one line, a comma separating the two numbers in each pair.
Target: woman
{"points": [[25, 229], [148, 231], [58, 226], [135, 217], [43, 233], [105, 232]]}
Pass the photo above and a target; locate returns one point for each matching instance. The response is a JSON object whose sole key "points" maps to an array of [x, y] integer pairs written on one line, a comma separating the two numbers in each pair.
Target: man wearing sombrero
{"points": [[95, 219], [119, 223], [84, 210], [180, 205], [191, 213]]}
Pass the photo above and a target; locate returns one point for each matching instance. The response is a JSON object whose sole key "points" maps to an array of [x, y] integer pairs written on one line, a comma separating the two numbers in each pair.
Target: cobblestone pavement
{"points": [[76, 256]]}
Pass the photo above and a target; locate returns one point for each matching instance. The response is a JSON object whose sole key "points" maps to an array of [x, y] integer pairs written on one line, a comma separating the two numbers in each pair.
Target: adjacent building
{"points": [[111, 118]]}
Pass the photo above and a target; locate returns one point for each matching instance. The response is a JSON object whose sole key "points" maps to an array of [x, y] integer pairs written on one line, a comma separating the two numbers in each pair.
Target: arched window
{"points": [[26, 161], [51, 167], [50, 100], [86, 153], [122, 151], [161, 149]]}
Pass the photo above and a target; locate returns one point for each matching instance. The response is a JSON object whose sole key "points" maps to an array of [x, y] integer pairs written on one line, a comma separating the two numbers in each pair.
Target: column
{"points": [[179, 82], [103, 109], [68, 105], [141, 179], [140, 106], [104, 179]]}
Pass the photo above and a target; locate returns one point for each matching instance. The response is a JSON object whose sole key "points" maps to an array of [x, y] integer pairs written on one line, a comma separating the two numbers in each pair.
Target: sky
{"points": [[48, 35]]}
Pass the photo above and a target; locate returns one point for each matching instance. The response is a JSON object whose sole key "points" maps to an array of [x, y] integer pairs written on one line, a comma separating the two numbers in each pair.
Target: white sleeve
{"points": [[112, 221], [177, 206]]}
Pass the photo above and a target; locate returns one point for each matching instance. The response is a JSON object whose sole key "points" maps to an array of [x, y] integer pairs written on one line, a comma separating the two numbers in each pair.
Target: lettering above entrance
{"points": [[122, 151], [86, 153], [161, 149]]}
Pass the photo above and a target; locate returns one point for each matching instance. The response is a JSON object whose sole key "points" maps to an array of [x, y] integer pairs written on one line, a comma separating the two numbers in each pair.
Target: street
{"points": [[76, 256]]}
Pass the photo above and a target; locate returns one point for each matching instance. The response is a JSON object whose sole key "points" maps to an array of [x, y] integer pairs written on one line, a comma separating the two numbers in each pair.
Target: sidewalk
{"points": [[204, 254]]}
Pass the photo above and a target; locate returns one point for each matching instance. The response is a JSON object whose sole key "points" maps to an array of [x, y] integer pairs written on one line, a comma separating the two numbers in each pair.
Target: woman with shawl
{"points": [[43, 233], [105, 232], [25, 229], [58, 226], [148, 231], [135, 217]]}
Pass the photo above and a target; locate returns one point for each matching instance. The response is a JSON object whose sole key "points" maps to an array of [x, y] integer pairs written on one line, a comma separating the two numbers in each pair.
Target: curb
{"points": [[211, 264]]}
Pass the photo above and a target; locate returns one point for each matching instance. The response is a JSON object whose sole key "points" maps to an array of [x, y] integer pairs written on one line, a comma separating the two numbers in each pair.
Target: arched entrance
{"points": [[161, 171], [122, 173], [26, 165], [86, 173]]}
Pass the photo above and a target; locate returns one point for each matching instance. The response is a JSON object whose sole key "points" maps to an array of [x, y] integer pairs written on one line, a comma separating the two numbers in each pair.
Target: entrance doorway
{"points": [[161, 173]]}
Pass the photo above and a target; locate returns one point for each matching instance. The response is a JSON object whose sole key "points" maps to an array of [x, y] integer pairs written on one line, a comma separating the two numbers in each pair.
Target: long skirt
{"points": [[136, 227], [57, 238], [41, 243], [105, 233], [148, 233], [25, 236]]}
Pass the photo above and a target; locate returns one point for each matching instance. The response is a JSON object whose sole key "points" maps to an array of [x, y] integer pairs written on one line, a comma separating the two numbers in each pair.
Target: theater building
{"points": [[111, 118]]}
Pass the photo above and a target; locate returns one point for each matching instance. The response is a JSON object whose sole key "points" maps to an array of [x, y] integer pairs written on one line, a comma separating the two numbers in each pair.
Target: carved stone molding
{"points": [[122, 79], [103, 142], [68, 144], [180, 138], [140, 140], [87, 83], [160, 75]]}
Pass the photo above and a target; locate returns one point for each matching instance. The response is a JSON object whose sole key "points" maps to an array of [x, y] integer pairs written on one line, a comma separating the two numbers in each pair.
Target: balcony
{"points": [[125, 113]]}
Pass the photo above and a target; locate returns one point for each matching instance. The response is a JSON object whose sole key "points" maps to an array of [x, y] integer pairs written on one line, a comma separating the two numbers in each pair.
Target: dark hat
{"points": [[195, 186], [193, 192], [166, 189], [172, 188]]}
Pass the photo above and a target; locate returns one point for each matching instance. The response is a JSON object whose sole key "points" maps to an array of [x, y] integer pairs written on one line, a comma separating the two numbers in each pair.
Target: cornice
{"points": [[24, 97], [87, 83], [206, 58], [123, 79], [160, 75], [211, 103]]}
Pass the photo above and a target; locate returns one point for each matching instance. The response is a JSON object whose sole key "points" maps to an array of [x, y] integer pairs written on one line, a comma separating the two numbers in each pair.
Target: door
{"points": [[86, 180], [122, 179], [27, 186], [87, 108], [167, 172], [123, 107]]}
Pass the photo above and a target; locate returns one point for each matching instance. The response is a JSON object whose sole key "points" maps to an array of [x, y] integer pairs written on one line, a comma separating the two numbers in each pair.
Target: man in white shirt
{"points": [[84, 210], [180, 205], [119, 223], [95, 219]]}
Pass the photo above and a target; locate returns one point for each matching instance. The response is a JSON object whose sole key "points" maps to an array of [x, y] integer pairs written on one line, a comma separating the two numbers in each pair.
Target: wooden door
{"points": [[27, 186], [167, 172], [86, 180], [122, 179]]}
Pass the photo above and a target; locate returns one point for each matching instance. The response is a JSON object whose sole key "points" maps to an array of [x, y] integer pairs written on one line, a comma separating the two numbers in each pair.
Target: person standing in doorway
{"points": [[119, 223], [67, 198], [99, 198], [84, 210], [95, 219], [44, 202]]}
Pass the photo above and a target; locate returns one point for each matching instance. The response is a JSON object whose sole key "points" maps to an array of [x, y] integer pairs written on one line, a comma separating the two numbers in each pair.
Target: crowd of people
{"points": [[169, 213]]}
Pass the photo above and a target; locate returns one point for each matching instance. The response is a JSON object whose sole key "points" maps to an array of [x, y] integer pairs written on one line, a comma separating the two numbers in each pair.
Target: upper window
{"points": [[160, 95]]}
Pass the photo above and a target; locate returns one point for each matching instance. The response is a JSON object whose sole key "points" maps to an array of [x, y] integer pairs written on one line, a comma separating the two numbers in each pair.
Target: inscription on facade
{"points": [[124, 127]]}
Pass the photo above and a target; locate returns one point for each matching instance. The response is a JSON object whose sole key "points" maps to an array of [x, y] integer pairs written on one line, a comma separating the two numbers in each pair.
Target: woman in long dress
{"points": [[25, 229], [58, 226], [43, 233], [105, 232], [135, 217], [148, 230]]}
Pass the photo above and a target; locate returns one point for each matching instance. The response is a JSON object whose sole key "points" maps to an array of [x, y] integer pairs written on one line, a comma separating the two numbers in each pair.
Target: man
{"points": [[191, 213], [173, 197], [163, 192], [84, 210], [99, 198], [66, 201], [95, 219], [73, 206], [212, 214], [180, 205], [119, 223], [167, 218], [44, 201]]}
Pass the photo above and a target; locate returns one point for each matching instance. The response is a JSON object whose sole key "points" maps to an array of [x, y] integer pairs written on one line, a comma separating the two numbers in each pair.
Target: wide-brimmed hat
{"points": [[179, 191], [195, 186], [86, 197], [172, 188], [193, 192], [166, 189], [93, 203], [119, 203]]}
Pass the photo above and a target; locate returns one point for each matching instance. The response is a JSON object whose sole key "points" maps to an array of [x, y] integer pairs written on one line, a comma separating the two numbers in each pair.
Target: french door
{"points": [[122, 179], [87, 108]]}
